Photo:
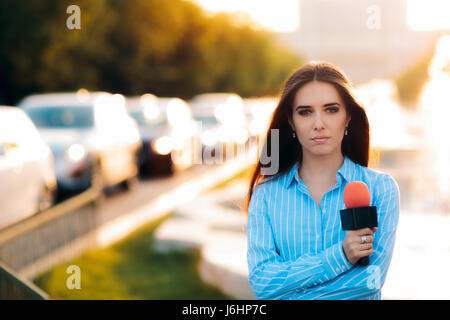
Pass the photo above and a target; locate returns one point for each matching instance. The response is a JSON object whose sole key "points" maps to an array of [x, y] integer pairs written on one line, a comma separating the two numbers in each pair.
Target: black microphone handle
{"points": [[359, 218], [363, 261]]}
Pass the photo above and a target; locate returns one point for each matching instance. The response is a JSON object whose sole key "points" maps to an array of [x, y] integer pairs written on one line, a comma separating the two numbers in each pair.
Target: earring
{"points": [[346, 131], [293, 134]]}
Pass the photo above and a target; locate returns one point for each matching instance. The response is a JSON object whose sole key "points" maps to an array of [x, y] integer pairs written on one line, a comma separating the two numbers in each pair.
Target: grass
{"points": [[131, 269], [243, 174]]}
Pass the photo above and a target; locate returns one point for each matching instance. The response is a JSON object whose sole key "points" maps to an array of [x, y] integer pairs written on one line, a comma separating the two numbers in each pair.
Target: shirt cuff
{"points": [[334, 261]]}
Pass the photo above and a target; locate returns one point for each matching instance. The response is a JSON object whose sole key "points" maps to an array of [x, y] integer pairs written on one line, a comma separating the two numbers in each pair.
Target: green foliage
{"points": [[166, 47], [411, 81], [131, 269]]}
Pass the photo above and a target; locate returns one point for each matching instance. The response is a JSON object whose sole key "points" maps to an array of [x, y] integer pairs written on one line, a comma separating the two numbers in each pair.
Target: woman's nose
{"points": [[318, 124]]}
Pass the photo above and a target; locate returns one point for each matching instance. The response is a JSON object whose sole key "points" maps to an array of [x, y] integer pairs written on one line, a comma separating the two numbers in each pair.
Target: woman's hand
{"points": [[353, 249]]}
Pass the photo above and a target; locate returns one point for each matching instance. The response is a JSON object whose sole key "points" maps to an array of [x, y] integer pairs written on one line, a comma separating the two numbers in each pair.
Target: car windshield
{"points": [[62, 117], [206, 119], [144, 121]]}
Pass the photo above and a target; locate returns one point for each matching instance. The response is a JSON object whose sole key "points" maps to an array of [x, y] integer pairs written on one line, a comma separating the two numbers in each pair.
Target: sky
{"points": [[283, 15], [276, 15], [427, 15]]}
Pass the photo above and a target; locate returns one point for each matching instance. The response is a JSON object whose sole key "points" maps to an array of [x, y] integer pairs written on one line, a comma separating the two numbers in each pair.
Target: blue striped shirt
{"points": [[295, 247]]}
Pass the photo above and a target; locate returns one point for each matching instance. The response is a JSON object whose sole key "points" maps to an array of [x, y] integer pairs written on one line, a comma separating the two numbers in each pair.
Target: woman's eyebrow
{"points": [[325, 105]]}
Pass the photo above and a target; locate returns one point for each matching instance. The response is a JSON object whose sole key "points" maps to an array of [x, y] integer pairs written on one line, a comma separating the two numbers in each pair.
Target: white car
{"points": [[258, 113], [222, 118], [93, 138], [27, 176]]}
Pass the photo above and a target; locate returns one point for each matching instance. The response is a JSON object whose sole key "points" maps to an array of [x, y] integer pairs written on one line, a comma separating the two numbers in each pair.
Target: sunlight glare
{"points": [[435, 107], [278, 16], [428, 15]]}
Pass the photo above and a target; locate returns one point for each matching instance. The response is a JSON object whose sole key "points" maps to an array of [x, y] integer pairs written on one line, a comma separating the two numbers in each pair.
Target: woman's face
{"points": [[318, 111]]}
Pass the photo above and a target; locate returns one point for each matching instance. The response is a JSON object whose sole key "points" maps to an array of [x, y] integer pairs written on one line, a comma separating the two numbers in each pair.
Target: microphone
{"points": [[359, 214]]}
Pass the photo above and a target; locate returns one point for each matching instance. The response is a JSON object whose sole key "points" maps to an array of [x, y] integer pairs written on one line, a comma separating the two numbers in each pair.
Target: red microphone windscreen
{"points": [[356, 194]]}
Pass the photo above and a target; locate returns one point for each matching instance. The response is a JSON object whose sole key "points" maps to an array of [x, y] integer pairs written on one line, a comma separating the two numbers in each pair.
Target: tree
{"points": [[166, 47]]}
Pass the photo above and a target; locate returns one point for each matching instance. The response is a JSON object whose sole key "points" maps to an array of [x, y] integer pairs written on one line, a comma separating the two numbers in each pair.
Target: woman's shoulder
{"points": [[371, 175], [379, 176], [267, 185], [380, 183], [377, 180]]}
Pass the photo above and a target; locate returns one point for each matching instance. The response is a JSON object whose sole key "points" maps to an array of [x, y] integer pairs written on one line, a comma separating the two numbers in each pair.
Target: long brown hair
{"points": [[355, 144]]}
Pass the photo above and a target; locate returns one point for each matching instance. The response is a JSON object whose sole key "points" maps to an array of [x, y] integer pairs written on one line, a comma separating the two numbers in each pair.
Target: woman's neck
{"points": [[320, 168]]}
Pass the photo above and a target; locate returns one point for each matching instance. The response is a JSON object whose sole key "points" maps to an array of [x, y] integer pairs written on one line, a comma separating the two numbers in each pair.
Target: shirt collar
{"points": [[347, 169], [345, 172]]}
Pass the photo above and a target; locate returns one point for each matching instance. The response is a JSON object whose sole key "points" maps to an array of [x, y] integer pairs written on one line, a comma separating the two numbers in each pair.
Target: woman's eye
{"points": [[303, 112], [333, 110]]}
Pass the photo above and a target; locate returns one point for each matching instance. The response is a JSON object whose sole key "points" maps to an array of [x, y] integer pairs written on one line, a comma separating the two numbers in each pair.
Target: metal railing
{"points": [[12, 287], [41, 241], [68, 229]]}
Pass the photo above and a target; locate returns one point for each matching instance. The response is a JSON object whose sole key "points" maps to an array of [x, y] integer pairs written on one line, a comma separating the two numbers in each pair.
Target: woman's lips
{"points": [[321, 140]]}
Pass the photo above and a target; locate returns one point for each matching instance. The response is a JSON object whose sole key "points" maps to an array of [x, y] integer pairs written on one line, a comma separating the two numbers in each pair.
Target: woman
{"points": [[296, 246]]}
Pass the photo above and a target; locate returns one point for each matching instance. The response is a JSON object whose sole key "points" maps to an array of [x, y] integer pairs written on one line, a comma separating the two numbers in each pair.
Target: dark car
{"points": [[167, 133], [223, 123]]}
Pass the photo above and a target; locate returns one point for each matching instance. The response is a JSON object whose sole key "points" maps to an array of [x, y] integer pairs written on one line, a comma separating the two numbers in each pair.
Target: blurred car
{"points": [[93, 138], [27, 176], [258, 112], [168, 133], [222, 118]]}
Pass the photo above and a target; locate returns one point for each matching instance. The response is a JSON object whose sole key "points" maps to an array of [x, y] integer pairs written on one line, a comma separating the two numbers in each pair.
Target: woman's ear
{"points": [[291, 125]]}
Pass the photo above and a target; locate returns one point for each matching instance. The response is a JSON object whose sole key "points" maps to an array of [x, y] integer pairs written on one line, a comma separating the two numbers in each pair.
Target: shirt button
{"points": [[323, 210], [343, 267], [318, 236], [337, 269]]}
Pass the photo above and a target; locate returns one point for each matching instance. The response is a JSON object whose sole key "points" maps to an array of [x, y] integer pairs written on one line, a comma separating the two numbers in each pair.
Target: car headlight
{"points": [[241, 136], [209, 138], [257, 127], [225, 134], [162, 145], [75, 153]]}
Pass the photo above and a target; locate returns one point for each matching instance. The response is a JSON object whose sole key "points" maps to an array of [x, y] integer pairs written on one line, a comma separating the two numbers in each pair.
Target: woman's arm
{"points": [[269, 275], [361, 282]]}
